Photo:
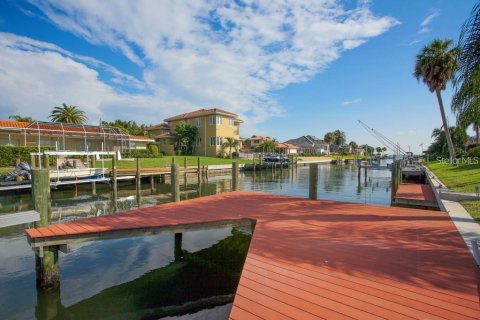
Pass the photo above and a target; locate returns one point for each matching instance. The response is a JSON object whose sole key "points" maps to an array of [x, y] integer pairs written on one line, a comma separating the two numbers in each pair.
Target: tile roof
{"points": [[199, 113], [13, 124], [158, 126], [140, 138]]}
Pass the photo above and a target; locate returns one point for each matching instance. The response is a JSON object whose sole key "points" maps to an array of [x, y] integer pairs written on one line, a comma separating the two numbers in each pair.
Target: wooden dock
{"points": [[313, 259], [415, 194]]}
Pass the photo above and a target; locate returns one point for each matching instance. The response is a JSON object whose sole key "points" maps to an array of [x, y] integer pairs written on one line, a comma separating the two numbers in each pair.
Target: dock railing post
{"points": [[114, 182], [46, 258], [313, 181], [234, 176], [175, 183]]}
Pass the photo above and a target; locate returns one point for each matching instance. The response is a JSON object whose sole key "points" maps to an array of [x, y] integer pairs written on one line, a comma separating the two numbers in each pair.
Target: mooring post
{"points": [[254, 165], [178, 251], [234, 176], [359, 171], [46, 161], [313, 181], [93, 164], [185, 162], [114, 182], [17, 161], [394, 182], [152, 183], [174, 183], [32, 161], [198, 170], [173, 160], [46, 258], [138, 183]]}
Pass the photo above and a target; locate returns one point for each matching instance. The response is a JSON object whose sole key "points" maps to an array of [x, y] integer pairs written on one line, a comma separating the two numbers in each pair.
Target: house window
{"points": [[212, 141], [198, 122], [219, 141], [219, 120], [230, 122], [199, 141], [212, 119]]}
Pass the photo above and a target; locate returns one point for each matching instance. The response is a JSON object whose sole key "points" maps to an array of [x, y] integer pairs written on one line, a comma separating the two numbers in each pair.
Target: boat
{"points": [[76, 173]]}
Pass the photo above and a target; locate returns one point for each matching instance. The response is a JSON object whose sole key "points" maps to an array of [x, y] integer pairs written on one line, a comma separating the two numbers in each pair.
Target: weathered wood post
{"points": [[152, 183], [198, 171], [114, 182], [254, 165], [46, 258], [313, 181], [46, 161], [234, 176], [178, 251], [173, 160], [185, 162], [138, 183], [17, 161], [174, 183], [93, 160], [32, 161], [394, 182], [359, 171]]}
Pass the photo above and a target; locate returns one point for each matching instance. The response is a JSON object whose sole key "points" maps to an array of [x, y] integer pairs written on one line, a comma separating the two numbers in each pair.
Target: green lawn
{"points": [[473, 207], [5, 170], [166, 161], [463, 177]]}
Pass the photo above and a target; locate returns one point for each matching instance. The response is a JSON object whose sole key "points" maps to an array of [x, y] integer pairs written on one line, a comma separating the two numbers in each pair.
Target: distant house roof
{"points": [[286, 146], [7, 124], [306, 141], [140, 138], [260, 138], [162, 125], [200, 113]]}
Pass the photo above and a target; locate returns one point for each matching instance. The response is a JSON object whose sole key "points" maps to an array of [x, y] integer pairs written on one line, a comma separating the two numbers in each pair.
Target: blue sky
{"points": [[288, 68]]}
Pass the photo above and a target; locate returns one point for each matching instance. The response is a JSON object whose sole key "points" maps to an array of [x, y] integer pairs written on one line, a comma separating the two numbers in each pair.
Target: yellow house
{"points": [[214, 126]]}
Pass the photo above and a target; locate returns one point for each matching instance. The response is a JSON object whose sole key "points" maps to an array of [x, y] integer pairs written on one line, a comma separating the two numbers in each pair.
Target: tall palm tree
{"points": [[230, 143], [329, 138], [68, 114], [353, 146], [340, 137], [466, 100], [19, 118], [435, 66]]}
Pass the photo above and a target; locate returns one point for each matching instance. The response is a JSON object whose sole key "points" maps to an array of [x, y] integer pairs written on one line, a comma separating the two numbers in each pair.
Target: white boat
{"points": [[75, 174]]}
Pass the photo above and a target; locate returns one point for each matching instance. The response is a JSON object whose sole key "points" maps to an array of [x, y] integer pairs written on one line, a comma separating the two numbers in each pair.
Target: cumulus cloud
{"points": [[192, 53]]}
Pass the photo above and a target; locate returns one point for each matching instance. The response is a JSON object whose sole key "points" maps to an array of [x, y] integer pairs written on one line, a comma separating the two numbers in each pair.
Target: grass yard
{"points": [[166, 161], [463, 177], [5, 170], [473, 207]]}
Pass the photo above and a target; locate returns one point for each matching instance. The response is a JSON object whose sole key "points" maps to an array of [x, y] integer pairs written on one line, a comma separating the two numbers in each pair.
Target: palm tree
{"points": [[435, 66], [19, 118], [340, 137], [353, 146], [230, 143], [329, 138], [379, 150], [68, 114]]}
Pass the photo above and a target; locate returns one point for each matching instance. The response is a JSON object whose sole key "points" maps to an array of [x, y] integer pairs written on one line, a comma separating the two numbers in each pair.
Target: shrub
{"points": [[141, 153], [474, 152], [9, 154], [153, 149]]}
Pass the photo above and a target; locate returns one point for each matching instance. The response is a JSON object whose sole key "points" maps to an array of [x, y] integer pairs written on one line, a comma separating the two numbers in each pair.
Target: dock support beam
{"points": [[174, 183], [234, 176], [313, 181], [46, 258], [138, 183]]}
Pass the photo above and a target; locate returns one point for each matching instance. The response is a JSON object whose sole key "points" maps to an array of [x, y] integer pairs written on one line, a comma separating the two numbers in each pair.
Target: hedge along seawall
{"points": [[9, 154]]}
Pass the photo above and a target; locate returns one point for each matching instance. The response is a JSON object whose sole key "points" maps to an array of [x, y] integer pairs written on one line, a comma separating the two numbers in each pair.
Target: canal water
{"points": [[141, 277]]}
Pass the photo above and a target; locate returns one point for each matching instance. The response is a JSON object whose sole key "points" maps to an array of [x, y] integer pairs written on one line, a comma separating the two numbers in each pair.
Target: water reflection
{"points": [[138, 277]]}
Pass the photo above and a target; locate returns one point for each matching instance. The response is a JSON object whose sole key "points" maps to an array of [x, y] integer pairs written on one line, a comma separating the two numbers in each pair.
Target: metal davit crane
{"points": [[389, 144]]}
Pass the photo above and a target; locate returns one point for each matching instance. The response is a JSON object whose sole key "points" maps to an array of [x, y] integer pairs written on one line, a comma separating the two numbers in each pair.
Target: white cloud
{"points": [[354, 101], [192, 53], [434, 13]]}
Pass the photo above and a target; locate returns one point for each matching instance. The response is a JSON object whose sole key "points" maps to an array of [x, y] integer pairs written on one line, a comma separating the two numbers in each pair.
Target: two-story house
{"points": [[214, 126]]}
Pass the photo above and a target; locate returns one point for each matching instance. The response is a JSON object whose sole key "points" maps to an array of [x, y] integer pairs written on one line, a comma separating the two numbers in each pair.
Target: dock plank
{"points": [[325, 259]]}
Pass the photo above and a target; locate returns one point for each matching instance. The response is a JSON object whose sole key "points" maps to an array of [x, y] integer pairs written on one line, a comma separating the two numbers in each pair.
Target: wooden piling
{"points": [[46, 161], [17, 161], [178, 251], [32, 161], [152, 183], [185, 162], [93, 163], [174, 183], [46, 258], [394, 182], [313, 181], [234, 176], [114, 182], [198, 171]]}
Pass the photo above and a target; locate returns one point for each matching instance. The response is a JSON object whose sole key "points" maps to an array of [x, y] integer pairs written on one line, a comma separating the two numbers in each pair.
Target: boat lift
{"points": [[386, 142]]}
